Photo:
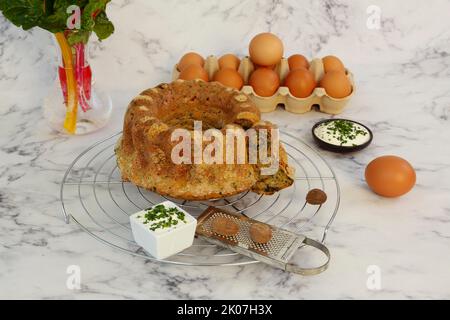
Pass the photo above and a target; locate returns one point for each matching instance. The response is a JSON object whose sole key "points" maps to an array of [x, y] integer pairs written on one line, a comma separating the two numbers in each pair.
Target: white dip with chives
{"points": [[163, 218], [343, 133]]}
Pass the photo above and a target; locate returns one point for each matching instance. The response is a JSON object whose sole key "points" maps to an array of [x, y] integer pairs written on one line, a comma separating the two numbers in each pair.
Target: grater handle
{"points": [[311, 271]]}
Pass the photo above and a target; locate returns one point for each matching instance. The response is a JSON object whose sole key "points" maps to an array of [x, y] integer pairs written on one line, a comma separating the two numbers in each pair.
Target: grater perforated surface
{"points": [[276, 247]]}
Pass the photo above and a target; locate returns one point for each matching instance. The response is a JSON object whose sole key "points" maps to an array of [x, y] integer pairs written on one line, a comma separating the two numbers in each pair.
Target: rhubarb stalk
{"points": [[72, 100]]}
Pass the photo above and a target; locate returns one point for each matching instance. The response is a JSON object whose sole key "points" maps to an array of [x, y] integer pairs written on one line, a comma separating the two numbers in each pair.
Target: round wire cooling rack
{"points": [[94, 196]]}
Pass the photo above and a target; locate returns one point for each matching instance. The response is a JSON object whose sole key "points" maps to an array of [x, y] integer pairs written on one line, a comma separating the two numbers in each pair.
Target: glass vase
{"points": [[94, 106]]}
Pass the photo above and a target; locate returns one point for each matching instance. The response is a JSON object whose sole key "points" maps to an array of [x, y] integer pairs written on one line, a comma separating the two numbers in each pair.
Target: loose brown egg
{"points": [[193, 72], [190, 58], [332, 63], [229, 61], [301, 82], [266, 49], [336, 84], [297, 61], [390, 176], [229, 78], [265, 82]]}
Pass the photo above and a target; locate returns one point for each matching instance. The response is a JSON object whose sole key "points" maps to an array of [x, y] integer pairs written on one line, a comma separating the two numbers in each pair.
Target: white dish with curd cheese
{"points": [[163, 230]]}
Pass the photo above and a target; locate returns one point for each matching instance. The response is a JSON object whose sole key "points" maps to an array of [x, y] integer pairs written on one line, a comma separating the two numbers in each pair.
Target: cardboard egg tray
{"points": [[319, 97]]}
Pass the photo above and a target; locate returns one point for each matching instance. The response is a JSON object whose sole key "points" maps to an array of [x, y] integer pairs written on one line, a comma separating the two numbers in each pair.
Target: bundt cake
{"points": [[145, 148]]}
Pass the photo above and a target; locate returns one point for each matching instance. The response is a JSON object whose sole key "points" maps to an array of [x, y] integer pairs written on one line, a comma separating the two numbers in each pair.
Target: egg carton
{"points": [[319, 96]]}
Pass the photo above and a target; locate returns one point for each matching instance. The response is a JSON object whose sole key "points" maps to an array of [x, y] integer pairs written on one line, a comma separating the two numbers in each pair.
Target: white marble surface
{"points": [[403, 78]]}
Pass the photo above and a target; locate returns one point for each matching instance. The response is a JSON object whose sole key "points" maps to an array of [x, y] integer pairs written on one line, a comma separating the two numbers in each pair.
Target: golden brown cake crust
{"points": [[144, 151]]}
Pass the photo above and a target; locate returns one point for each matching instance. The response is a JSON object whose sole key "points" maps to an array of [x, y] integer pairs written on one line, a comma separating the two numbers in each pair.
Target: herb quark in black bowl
{"points": [[341, 135]]}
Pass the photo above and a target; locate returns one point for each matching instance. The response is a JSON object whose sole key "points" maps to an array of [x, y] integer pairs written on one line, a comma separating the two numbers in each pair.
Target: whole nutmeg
{"points": [[316, 197], [225, 227], [260, 233]]}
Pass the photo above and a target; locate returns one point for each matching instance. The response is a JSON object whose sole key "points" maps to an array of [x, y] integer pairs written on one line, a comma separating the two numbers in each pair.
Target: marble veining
{"points": [[403, 93]]}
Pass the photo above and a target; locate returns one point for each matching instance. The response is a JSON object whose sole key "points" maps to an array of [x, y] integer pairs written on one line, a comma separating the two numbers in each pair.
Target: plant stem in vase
{"points": [[75, 105], [72, 24], [71, 101]]}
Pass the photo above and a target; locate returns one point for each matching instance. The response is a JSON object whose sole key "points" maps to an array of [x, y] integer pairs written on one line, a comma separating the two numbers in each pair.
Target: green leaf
{"points": [[23, 13], [52, 15], [55, 22], [78, 36], [90, 12], [103, 28]]}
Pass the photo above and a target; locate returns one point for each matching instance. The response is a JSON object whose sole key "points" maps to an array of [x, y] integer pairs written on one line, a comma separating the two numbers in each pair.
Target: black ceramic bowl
{"points": [[336, 148]]}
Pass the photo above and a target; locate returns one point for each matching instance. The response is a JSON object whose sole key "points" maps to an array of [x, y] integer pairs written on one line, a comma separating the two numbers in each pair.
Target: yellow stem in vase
{"points": [[70, 121]]}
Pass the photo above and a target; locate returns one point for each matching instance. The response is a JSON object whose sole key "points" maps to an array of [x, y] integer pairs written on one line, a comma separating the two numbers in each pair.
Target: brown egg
{"points": [[265, 82], [229, 78], [336, 84], [390, 176], [190, 58], [229, 61], [266, 49], [332, 63], [298, 61], [257, 66], [193, 72], [301, 83]]}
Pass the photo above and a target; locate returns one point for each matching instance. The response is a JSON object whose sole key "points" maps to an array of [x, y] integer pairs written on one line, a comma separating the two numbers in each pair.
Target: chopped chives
{"points": [[161, 217]]}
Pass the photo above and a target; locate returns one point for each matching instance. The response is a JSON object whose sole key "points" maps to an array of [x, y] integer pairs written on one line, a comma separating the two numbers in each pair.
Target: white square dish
{"points": [[163, 242]]}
